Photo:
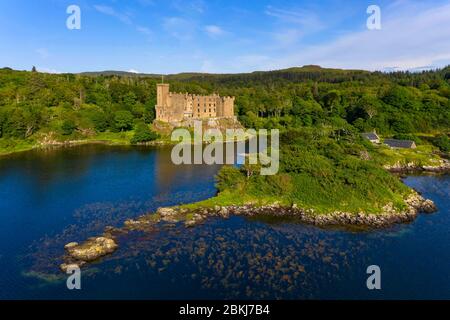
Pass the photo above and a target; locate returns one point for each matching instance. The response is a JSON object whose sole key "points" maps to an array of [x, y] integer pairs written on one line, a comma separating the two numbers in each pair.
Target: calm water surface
{"points": [[49, 198]]}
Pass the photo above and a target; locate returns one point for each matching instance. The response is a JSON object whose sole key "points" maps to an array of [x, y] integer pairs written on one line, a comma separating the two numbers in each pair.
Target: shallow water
{"points": [[50, 198]]}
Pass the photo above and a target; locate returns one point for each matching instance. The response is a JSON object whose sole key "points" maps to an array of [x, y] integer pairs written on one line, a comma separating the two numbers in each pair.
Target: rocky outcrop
{"points": [[90, 250], [196, 219], [441, 166], [415, 204], [167, 214]]}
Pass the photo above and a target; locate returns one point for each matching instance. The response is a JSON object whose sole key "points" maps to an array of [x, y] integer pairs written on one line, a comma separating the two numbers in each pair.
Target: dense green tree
{"points": [[229, 177], [14, 125], [442, 142], [100, 120], [123, 120], [68, 127], [143, 133], [148, 114]]}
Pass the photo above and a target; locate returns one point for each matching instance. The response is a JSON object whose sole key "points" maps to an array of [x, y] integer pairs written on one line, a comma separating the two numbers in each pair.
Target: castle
{"points": [[177, 107]]}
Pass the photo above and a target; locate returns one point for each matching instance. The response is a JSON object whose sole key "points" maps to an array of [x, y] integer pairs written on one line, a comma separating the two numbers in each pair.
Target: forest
{"points": [[111, 105]]}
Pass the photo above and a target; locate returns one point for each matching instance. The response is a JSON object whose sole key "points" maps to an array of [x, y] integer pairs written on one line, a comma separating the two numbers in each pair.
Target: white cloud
{"points": [[189, 6], [287, 37], [293, 24], [214, 31], [144, 30], [126, 17], [304, 19], [179, 28], [412, 37], [109, 11], [133, 71]]}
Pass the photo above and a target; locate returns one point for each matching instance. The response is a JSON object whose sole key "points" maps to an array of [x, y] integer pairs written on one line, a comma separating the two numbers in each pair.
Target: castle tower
{"points": [[228, 107], [162, 94], [162, 101]]}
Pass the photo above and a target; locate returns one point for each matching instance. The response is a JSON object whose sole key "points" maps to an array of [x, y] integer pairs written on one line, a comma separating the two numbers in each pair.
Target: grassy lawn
{"points": [[8, 146], [422, 155]]}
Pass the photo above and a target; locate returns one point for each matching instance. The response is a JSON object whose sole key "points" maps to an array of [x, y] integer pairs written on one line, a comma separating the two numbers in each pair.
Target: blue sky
{"points": [[170, 36]]}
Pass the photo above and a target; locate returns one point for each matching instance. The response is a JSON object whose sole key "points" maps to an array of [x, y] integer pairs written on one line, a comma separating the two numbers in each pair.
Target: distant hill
{"points": [[118, 73], [308, 72]]}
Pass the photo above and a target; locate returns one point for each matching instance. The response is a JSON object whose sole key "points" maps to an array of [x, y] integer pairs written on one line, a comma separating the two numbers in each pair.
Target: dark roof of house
{"points": [[370, 136], [394, 143]]}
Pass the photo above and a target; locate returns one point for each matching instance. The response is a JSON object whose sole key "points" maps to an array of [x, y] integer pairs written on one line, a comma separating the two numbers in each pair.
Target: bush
{"points": [[143, 134], [99, 120], [68, 127], [229, 178], [403, 136], [442, 142]]}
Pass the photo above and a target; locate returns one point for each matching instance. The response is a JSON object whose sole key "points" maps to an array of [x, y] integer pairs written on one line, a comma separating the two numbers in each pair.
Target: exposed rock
{"points": [[442, 165], [195, 220], [70, 245], [428, 206], [190, 223], [92, 249], [364, 155], [224, 213], [390, 215], [167, 214], [70, 266]]}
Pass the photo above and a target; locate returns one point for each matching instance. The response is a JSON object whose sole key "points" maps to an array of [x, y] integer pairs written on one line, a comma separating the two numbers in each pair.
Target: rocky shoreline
{"points": [[442, 167], [94, 248]]}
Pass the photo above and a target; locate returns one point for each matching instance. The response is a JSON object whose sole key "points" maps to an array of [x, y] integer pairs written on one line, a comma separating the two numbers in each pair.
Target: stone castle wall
{"points": [[176, 107]]}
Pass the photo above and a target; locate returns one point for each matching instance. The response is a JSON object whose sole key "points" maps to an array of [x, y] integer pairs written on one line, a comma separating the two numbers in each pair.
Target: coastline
{"points": [[73, 143], [95, 248], [411, 167], [107, 142]]}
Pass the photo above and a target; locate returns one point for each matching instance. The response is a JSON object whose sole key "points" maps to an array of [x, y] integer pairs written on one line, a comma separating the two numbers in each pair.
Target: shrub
{"points": [[143, 134], [442, 142], [99, 120], [229, 178], [68, 127], [403, 136]]}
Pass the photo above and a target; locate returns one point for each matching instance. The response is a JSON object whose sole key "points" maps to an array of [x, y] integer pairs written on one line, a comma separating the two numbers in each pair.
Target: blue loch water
{"points": [[49, 198]]}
